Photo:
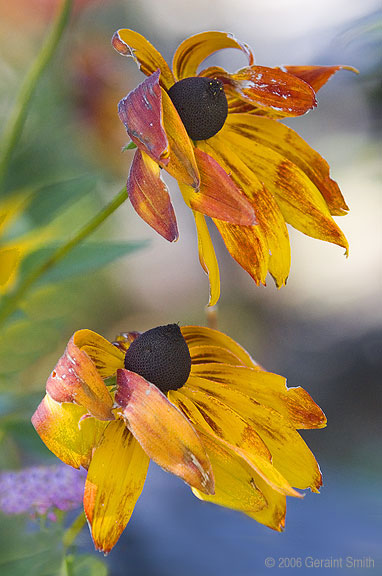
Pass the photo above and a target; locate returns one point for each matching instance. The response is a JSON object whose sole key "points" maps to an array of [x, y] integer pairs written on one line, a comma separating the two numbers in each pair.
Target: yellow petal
{"points": [[163, 432], [130, 43], [106, 357], [273, 514], [75, 378], [201, 336], [206, 354], [194, 50], [113, 485], [207, 257], [9, 260], [267, 389], [65, 431]]}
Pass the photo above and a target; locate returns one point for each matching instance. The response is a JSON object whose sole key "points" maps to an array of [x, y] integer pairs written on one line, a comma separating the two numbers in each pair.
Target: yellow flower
{"points": [[218, 134], [192, 400]]}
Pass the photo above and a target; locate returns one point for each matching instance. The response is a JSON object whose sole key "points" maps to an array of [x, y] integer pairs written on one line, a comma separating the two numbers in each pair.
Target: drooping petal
{"points": [[267, 389], [218, 196], [141, 113], [149, 196], [106, 357], [182, 164], [163, 432], [113, 485], [290, 455], [130, 43], [291, 146], [212, 416], [199, 336], [76, 379], [269, 88], [299, 200], [272, 515], [194, 50], [316, 76], [207, 258], [65, 431]]}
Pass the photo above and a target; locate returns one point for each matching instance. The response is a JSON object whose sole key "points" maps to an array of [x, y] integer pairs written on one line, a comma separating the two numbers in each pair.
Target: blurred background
{"points": [[323, 331]]}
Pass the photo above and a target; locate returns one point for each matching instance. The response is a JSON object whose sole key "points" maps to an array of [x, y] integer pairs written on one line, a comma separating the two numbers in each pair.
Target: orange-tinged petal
{"points": [[290, 145], [272, 515], [65, 431], [290, 455], [267, 389], [299, 200], [163, 432], [219, 197], [316, 76], [141, 113], [198, 336], [207, 257], [76, 379], [106, 357], [182, 164], [130, 43], [113, 485], [194, 50], [149, 196]]}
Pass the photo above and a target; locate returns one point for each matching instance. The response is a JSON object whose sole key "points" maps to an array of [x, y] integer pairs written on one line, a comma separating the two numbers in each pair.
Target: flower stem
{"points": [[12, 301], [74, 529], [16, 121]]}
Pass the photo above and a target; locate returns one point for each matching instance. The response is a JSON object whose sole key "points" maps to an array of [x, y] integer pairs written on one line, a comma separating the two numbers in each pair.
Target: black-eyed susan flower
{"points": [[219, 135], [192, 400]]}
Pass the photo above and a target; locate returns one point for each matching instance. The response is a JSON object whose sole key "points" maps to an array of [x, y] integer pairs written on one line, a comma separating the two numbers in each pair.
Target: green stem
{"points": [[74, 529], [16, 121], [11, 303]]}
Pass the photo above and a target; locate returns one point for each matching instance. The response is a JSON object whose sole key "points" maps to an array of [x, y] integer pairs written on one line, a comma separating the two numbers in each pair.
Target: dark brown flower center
{"points": [[202, 105], [161, 356]]}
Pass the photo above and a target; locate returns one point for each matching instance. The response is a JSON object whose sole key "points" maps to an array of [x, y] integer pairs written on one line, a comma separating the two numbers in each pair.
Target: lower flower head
{"points": [[192, 400]]}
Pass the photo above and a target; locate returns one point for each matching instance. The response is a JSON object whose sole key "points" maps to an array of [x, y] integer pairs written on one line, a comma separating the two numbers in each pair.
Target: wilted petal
{"points": [[113, 485], [149, 196], [163, 432], [218, 196], [106, 357], [207, 257], [141, 113], [194, 50], [65, 431], [76, 379], [130, 43], [316, 76]]}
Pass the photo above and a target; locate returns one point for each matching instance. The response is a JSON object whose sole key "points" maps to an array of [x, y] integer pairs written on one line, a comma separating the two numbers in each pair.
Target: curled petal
{"points": [[141, 113], [113, 485], [316, 76], [149, 196], [106, 357], [65, 431], [193, 51], [76, 379], [130, 43], [163, 432], [218, 196], [207, 257]]}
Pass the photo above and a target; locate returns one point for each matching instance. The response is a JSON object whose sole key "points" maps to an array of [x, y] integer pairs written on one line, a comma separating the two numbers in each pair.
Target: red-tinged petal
{"points": [[163, 432], [182, 164], [113, 485], [200, 336], [106, 357], [193, 51], [149, 196], [218, 196], [130, 43], [141, 113], [290, 145], [316, 76], [65, 431], [268, 88], [207, 257], [76, 379]]}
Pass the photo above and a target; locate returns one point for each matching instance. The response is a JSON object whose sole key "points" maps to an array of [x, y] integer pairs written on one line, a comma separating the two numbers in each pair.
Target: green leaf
{"points": [[129, 146]]}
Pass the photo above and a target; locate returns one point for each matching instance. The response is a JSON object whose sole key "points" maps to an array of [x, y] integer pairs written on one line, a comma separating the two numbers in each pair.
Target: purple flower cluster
{"points": [[38, 491]]}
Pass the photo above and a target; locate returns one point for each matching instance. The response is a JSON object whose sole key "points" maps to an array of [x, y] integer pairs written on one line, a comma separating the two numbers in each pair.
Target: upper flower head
{"points": [[192, 400], [218, 134]]}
